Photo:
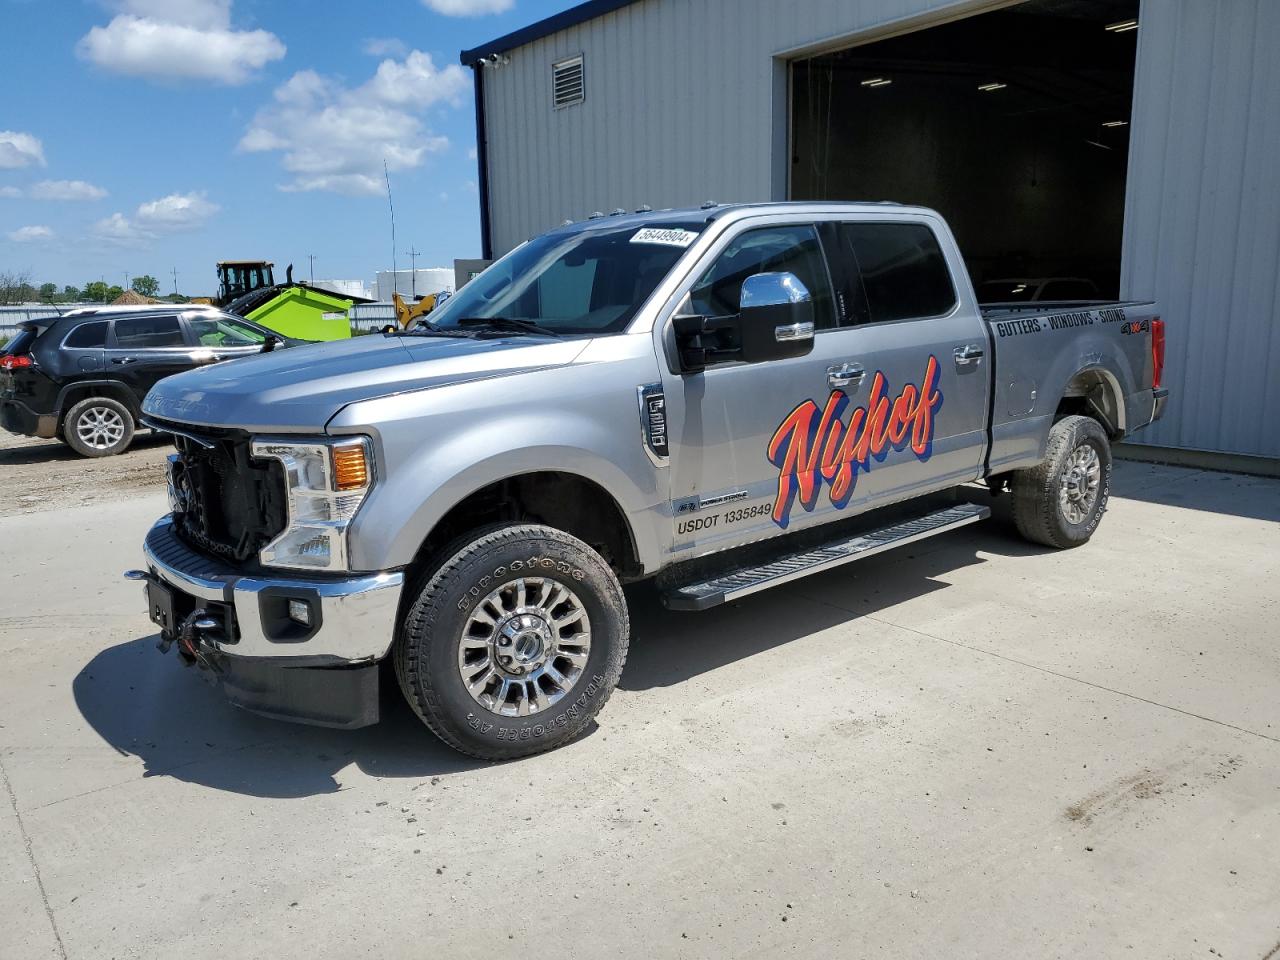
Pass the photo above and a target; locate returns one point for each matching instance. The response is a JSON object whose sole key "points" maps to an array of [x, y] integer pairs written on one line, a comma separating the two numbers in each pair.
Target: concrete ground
{"points": [[968, 748]]}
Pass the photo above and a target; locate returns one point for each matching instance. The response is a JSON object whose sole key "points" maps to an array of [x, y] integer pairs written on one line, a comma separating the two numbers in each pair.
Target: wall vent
{"points": [[567, 83]]}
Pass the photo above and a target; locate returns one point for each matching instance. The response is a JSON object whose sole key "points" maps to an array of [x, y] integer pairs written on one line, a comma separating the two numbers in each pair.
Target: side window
{"points": [[790, 249], [903, 270], [223, 332], [139, 333], [88, 336]]}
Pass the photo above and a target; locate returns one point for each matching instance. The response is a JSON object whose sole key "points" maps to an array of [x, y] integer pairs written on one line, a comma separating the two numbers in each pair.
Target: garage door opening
{"points": [[1014, 125]]}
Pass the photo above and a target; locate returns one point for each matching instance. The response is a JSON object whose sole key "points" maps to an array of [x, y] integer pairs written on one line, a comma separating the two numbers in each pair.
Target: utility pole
{"points": [[174, 271], [312, 258], [413, 268], [126, 279]]}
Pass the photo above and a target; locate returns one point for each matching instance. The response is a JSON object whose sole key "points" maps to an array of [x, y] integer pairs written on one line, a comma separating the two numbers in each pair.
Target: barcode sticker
{"points": [[667, 238]]}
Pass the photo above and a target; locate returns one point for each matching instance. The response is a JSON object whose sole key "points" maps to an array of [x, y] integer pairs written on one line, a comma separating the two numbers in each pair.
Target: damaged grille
{"points": [[226, 503]]}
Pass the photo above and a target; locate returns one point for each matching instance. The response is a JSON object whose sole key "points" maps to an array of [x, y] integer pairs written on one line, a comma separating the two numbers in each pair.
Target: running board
{"points": [[748, 580]]}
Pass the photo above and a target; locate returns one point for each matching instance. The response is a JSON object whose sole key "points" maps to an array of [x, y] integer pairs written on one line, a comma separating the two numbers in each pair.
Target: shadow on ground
{"points": [[1236, 494], [148, 705]]}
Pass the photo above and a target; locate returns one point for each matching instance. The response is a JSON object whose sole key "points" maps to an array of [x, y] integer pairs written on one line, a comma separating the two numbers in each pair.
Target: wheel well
{"points": [[1090, 393], [119, 392], [577, 506]]}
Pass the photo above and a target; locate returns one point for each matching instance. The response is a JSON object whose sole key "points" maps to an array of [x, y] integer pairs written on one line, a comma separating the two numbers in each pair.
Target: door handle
{"points": [[124, 359], [845, 374], [969, 353]]}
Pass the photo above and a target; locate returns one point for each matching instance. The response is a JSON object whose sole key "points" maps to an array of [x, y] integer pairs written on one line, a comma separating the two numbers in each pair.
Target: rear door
{"points": [[143, 350]]}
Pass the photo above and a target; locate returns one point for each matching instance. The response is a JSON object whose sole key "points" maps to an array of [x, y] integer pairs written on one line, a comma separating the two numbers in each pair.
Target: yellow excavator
{"points": [[407, 313]]}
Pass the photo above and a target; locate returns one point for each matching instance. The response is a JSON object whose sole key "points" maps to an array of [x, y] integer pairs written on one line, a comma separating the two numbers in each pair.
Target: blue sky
{"points": [[144, 135]]}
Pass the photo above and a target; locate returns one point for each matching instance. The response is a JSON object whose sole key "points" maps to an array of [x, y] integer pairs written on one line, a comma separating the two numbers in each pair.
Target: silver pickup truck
{"points": [[723, 399]]}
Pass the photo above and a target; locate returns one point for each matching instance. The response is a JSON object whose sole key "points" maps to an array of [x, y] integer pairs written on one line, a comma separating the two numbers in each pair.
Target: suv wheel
{"points": [[515, 643], [98, 427], [1060, 501]]}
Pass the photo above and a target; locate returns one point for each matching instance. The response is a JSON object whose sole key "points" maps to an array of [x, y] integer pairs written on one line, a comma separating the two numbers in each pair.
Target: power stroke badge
{"points": [[653, 417]]}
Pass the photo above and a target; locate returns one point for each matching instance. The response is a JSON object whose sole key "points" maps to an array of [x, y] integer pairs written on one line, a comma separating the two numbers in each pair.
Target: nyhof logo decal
{"points": [[811, 445]]}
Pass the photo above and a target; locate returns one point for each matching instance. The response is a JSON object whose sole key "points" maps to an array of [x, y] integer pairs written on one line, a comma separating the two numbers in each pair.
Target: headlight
{"points": [[327, 482]]}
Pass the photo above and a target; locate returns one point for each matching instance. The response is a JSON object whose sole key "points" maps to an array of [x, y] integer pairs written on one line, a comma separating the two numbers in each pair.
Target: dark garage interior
{"points": [[1012, 124]]}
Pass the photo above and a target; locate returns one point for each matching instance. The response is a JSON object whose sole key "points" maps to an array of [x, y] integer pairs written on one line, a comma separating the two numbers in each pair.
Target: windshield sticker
{"points": [[665, 238], [813, 445]]}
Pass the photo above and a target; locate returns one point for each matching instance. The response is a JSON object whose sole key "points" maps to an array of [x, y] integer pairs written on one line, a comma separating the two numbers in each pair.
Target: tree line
{"points": [[18, 287]]}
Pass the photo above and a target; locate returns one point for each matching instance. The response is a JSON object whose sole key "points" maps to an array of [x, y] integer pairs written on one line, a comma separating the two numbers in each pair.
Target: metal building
{"points": [[1131, 143]]}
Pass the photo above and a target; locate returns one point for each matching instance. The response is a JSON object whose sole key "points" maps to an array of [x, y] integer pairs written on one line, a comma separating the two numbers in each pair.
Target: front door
{"points": [[144, 350], [878, 411]]}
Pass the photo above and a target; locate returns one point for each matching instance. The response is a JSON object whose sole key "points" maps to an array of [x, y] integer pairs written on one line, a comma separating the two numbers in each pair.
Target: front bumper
{"points": [[238, 628], [17, 417]]}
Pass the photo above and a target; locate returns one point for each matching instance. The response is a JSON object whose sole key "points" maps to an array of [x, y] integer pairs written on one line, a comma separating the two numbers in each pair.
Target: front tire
{"points": [[98, 427], [514, 643], [1060, 501]]}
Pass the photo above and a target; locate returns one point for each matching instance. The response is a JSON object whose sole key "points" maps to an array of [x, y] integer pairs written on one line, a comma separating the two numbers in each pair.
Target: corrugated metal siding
{"points": [[678, 106], [679, 109], [1202, 217]]}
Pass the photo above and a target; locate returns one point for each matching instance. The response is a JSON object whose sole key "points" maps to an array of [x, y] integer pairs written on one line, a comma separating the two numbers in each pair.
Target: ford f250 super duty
{"points": [[723, 399]]}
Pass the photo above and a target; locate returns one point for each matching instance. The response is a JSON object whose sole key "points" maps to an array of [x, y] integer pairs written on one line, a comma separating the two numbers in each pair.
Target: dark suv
{"points": [[82, 376]]}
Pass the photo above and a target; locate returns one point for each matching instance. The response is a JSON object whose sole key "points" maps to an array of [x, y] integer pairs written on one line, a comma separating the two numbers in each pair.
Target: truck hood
{"points": [[301, 388]]}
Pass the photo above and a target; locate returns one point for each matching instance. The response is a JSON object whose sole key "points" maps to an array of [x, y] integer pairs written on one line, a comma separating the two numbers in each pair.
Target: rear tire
{"points": [[514, 643], [1060, 502], [98, 427]]}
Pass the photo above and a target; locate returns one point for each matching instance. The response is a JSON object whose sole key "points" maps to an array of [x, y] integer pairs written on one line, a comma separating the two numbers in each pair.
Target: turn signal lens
{"points": [[350, 468]]}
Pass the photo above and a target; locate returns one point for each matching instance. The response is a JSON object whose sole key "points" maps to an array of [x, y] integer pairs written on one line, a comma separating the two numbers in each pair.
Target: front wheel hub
{"points": [[524, 646]]}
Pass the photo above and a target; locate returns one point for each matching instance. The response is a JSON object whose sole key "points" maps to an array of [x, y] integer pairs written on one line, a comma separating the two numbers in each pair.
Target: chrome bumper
{"points": [[354, 619]]}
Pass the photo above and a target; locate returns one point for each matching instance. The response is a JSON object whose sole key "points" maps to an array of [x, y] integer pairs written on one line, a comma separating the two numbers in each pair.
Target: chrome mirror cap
{"points": [[773, 289]]}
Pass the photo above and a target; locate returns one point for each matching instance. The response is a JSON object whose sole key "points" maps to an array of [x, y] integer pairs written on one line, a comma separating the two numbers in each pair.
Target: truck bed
{"points": [[1055, 357]]}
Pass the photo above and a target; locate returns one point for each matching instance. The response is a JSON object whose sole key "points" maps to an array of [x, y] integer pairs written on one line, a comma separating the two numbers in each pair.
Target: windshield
{"points": [[590, 281]]}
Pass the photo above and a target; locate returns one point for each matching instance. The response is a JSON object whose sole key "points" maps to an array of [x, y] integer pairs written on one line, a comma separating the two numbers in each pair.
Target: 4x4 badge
{"points": [[653, 420]]}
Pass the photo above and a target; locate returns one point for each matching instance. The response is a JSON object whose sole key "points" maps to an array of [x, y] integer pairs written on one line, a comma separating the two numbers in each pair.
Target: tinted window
{"points": [[792, 249], [903, 270], [1069, 290], [21, 343], [141, 332], [224, 332], [88, 336]]}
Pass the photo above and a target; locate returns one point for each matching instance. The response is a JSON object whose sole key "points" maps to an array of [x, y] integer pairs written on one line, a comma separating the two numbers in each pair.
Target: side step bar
{"points": [[748, 580]]}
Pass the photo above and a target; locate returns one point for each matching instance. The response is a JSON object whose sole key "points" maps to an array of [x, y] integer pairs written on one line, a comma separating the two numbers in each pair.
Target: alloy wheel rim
{"points": [[100, 428], [1079, 482], [524, 646]]}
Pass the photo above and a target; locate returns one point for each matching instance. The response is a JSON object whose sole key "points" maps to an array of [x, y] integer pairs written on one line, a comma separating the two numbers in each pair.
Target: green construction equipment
{"points": [[248, 289]]}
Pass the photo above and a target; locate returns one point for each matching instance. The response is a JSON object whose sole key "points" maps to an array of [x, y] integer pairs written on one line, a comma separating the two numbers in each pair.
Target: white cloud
{"points": [[31, 234], [179, 40], [177, 211], [66, 190], [469, 8], [10, 193], [20, 150], [472, 155], [336, 138], [384, 47], [155, 218]]}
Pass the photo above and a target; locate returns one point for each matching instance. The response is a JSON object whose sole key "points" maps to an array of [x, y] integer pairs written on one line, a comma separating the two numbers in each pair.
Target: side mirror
{"points": [[776, 318], [775, 321], [271, 343]]}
